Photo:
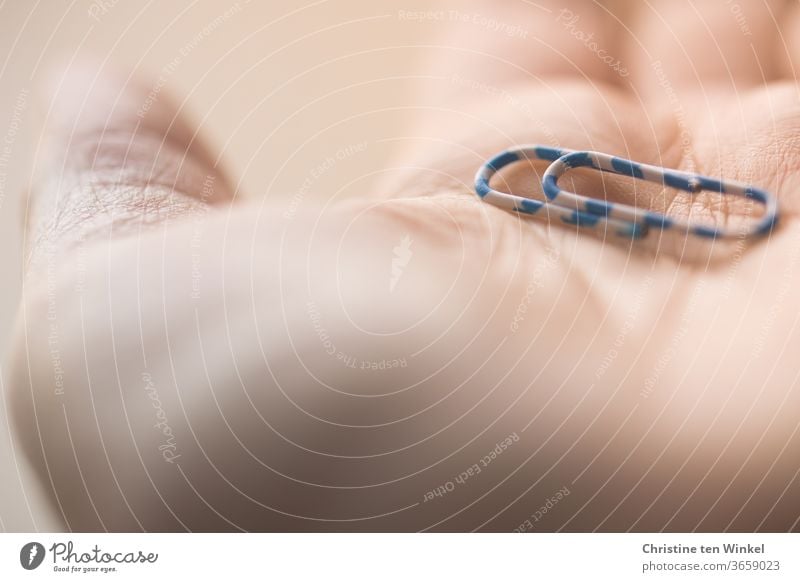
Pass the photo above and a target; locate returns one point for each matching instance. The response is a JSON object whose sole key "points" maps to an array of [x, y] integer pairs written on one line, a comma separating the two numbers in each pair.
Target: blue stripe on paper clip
{"points": [[622, 219]]}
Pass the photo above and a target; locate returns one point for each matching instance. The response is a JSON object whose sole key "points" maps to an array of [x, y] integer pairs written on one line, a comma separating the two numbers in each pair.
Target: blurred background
{"points": [[302, 99]]}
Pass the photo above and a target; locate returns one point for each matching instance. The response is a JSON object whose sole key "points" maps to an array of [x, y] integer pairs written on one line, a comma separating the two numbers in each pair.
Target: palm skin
{"points": [[655, 381]]}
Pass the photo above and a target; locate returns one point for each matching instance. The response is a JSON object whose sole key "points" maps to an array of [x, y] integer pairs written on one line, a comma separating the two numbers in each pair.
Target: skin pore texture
{"points": [[225, 368]]}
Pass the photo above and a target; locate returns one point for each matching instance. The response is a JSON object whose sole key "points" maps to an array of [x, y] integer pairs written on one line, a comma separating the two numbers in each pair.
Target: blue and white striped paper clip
{"points": [[621, 219]]}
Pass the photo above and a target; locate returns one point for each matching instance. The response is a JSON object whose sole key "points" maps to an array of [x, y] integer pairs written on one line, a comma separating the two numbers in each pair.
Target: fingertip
{"points": [[119, 153], [86, 95]]}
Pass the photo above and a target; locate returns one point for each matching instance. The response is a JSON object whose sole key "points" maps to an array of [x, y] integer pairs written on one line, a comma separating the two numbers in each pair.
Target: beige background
{"points": [[277, 87]]}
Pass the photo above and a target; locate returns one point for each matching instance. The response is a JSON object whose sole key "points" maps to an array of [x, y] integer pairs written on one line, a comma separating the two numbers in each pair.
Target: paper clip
{"points": [[621, 219]]}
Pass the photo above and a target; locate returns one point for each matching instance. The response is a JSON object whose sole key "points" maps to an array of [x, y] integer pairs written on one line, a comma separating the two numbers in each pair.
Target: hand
{"points": [[416, 359]]}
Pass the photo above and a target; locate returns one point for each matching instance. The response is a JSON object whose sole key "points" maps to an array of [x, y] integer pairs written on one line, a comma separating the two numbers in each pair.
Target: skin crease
{"points": [[656, 382]]}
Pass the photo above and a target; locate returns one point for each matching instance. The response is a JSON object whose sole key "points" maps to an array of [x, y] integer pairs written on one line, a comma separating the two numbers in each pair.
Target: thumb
{"points": [[118, 157]]}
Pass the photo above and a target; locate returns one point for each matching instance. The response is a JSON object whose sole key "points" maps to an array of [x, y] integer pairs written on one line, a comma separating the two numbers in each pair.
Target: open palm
{"points": [[416, 359]]}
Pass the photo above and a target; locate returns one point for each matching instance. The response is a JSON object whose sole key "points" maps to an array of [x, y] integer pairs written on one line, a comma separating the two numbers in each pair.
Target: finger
{"points": [[557, 81], [702, 45], [504, 42], [118, 157], [443, 156], [788, 44]]}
